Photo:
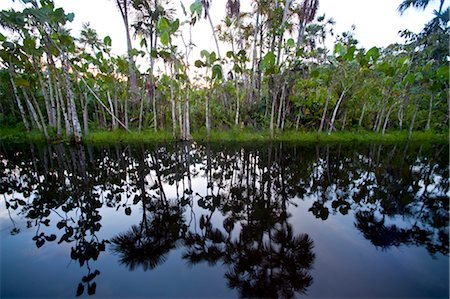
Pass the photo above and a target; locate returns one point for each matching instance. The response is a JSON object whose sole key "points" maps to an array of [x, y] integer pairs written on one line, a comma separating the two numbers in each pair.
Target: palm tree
{"points": [[124, 6], [419, 4]]}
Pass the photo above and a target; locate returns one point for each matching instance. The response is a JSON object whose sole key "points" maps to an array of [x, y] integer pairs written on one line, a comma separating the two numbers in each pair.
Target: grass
{"points": [[120, 136]]}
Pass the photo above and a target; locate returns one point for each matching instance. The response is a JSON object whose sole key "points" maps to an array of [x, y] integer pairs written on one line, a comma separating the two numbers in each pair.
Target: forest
{"points": [[278, 75]]}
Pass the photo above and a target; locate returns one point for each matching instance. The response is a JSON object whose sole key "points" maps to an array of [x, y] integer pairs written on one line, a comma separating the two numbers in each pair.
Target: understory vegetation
{"points": [[278, 75]]}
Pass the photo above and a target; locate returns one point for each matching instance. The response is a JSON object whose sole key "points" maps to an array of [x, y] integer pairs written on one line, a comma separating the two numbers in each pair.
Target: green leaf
{"points": [[199, 63], [443, 71], [29, 43], [165, 38], [196, 8], [230, 54], [70, 16], [21, 82], [340, 49], [217, 72], [409, 79], [373, 53], [183, 8], [107, 41], [268, 60], [163, 25], [204, 54], [290, 43], [175, 25]]}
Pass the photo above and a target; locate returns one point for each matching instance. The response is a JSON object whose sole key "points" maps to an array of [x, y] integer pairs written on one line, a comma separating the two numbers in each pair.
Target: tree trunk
{"points": [[174, 119], [85, 115], [386, 121], [324, 114], [208, 127], [214, 34], [254, 60], [41, 116], [272, 113], [19, 103], [430, 108], [186, 115], [333, 117], [72, 108], [113, 119], [411, 127], [362, 114]]}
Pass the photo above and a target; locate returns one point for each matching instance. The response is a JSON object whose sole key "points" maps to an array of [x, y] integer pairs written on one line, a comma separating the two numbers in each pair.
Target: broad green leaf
{"points": [[175, 25], [409, 79], [230, 54], [21, 82], [163, 25], [373, 54], [268, 60], [183, 8], [290, 43], [107, 41], [204, 54], [165, 38], [217, 72], [70, 16], [196, 8], [199, 63], [340, 49]]}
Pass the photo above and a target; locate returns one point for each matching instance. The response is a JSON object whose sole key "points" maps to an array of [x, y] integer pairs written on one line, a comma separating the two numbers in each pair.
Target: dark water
{"points": [[224, 220]]}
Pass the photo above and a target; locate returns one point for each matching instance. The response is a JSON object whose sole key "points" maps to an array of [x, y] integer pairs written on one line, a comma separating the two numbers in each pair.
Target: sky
{"points": [[377, 22]]}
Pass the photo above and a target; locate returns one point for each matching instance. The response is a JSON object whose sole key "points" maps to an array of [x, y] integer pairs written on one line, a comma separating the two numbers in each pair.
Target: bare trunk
{"points": [[214, 33], [430, 108], [254, 62], [338, 104], [186, 116], [155, 115], [72, 109], [280, 106], [33, 114], [180, 116], [362, 114], [85, 115], [208, 127], [272, 114], [41, 116], [113, 119], [141, 113], [324, 114], [411, 127], [174, 118], [19, 103], [386, 121]]}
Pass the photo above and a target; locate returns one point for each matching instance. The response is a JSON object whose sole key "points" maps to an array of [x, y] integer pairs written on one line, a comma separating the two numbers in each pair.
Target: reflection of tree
{"points": [[398, 196]]}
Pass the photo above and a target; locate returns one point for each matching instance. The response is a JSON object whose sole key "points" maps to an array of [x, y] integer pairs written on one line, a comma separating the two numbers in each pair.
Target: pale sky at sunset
{"points": [[377, 22]]}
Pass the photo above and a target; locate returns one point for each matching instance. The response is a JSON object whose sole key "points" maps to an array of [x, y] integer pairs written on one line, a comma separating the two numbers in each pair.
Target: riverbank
{"points": [[15, 135]]}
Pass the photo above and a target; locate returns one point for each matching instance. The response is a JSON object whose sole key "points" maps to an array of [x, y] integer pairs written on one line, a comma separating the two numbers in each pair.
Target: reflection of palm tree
{"points": [[147, 245], [276, 268]]}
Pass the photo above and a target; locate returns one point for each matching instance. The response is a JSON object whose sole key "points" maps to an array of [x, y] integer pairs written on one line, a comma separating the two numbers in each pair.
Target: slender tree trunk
{"points": [[41, 116], [386, 121], [272, 113], [280, 106], [174, 118], [362, 114], [254, 59], [155, 115], [85, 115], [214, 33], [180, 116], [236, 117], [34, 116], [141, 113], [113, 119], [72, 109], [333, 117], [186, 115], [411, 127], [19, 103], [430, 108], [208, 125], [324, 114]]}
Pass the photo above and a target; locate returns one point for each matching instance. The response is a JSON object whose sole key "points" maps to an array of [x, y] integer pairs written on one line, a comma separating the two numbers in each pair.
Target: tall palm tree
{"points": [[124, 6], [419, 4]]}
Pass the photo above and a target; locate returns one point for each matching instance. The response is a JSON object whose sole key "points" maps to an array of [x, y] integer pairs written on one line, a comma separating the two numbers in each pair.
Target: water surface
{"points": [[224, 220]]}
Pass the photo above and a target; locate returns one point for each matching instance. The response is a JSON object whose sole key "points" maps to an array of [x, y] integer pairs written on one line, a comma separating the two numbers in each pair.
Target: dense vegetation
{"points": [[278, 75]]}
